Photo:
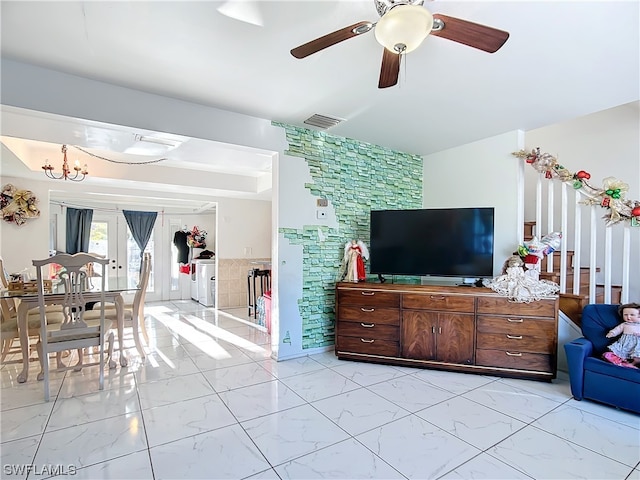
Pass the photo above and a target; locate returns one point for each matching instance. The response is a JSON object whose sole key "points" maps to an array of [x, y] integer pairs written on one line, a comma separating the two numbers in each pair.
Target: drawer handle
{"points": [[434, 297], [440, 330], [366, 341], [369, 294], [515, 320], [515, 337], [368, 325], [433, 329], [367, 309], [513, 354]]}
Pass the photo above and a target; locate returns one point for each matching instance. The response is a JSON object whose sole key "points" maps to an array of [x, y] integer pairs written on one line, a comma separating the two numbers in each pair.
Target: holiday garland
{"points": [[610, 196]]}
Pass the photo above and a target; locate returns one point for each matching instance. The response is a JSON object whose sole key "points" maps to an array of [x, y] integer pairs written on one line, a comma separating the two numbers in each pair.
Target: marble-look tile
{"points": [[237, 376], [515, 402], [261, 399], [328, 359], [605, 411], [416, 448], [94, 442], [162, 352], [185, 419], [288, 368], [177, 389], [613, 440], [15, 455], [634, 475], [134, 466], [558, 390], [269, 474], [93, 406], [344, 460], [224, 453], [158, 369], [319, 384], [485, 467], [85, 382], [410, 393], [454, 382], [359, 410], [367, 373], [24, 422], [221, 357], [292, 433], [543, 455], [474, 423], [29, 393]]}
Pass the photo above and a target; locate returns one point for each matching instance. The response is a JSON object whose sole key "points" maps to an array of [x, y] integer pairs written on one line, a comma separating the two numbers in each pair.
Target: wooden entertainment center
{"points": [[457, 328]]}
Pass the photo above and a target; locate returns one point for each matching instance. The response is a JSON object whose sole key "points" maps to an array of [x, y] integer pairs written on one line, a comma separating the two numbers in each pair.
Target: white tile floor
{"points": [[208, 402]]}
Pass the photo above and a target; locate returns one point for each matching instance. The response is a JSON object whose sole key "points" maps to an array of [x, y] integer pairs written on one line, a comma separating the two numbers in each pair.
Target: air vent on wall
{"points": [[322, 121]]}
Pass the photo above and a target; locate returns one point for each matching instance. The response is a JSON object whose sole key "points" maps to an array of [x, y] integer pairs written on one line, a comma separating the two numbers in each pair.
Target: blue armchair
{"points": [[592, 377]]}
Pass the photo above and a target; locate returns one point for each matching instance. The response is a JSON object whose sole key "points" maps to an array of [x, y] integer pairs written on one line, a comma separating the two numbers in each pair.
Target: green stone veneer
{"points": [[356, 178]]}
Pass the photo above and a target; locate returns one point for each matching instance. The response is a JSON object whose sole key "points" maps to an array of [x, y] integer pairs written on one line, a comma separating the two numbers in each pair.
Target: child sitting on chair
{"points": [[626, 350]]}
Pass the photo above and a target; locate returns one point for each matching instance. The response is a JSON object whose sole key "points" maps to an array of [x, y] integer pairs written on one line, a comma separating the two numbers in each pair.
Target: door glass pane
{"points": [[99, 241], [134, 259]]}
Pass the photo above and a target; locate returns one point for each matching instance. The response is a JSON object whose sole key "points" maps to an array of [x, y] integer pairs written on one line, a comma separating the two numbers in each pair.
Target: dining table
{"points": [[115, 288]]}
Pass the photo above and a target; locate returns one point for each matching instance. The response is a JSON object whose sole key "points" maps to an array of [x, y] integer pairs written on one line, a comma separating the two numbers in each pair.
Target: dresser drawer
{"points": [[524, 326], [369, 298], [502, 306], [516, 343], [514, 359], [368, 314], [450, 303], [369, 346], [369, 330]]}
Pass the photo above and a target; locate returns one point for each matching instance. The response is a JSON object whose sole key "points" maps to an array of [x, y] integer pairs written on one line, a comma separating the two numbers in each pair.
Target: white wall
{"points": [[19, 245], [605, 144], [244, 228], [479, 174]]}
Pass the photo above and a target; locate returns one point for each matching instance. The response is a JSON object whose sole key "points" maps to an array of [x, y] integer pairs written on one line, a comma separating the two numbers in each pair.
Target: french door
{"points": [[110, 236]]}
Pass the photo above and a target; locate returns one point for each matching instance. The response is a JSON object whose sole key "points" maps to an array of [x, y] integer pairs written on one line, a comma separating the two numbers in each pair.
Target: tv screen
{"points": [[448, 242]]}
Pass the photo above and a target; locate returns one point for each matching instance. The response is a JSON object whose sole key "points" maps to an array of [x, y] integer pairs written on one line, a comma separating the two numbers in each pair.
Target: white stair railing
{"points": [[576, 237]]}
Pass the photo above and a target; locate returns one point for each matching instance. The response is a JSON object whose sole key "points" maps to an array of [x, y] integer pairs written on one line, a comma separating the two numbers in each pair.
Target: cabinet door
{"points": [[455, 338], [418, 337]]}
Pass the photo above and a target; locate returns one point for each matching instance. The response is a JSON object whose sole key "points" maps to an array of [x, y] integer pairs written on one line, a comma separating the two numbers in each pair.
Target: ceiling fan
{"points": [[402, 27]]}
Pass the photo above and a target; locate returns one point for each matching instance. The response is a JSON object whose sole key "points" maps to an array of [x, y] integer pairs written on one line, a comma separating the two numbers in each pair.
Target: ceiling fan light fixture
{"points": [[403, 28]]}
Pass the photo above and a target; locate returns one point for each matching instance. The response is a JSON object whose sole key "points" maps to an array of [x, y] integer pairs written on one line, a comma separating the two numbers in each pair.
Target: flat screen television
{"points": [[447, 242]]}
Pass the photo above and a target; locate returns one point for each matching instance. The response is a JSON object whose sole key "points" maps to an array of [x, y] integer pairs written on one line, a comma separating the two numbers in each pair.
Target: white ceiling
{"points": [[564, 59]]}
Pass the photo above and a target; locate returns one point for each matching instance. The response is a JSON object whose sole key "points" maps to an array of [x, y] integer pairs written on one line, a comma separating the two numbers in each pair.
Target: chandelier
{"points": [[81, 172]]}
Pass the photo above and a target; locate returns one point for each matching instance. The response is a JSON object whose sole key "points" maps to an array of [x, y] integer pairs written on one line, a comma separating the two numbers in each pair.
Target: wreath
{"points": [[18, 205]]}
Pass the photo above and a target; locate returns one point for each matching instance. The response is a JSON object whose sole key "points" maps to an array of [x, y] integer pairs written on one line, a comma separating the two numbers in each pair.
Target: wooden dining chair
{"points": [[136, 307], [74, 332], [9, 318]]}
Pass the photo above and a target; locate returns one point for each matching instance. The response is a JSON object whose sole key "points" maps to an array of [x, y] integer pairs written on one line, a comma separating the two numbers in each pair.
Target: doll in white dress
{"points": [[626, 350]]}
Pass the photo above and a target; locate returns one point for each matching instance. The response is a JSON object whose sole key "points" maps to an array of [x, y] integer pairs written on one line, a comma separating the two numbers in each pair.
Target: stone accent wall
{"points": [[356, 178], [231, 281]]}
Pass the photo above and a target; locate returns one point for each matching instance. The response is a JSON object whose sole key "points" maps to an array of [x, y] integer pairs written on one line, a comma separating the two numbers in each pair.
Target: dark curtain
{"points": [[78, 229], [141, 226]]}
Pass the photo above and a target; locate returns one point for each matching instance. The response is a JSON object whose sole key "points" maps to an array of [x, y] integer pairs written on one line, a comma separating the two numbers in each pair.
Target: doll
{"points": [[517, 285], [626, 350], [355, 253]]}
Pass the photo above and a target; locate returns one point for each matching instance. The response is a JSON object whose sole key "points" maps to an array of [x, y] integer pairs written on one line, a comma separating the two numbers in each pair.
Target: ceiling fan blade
{"points": [[390, 69], [472, 34], [331, 39]]}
